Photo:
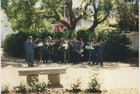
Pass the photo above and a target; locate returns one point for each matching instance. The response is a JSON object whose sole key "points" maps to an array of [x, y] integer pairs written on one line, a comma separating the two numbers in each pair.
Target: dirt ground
{"points": [[112, 74]]}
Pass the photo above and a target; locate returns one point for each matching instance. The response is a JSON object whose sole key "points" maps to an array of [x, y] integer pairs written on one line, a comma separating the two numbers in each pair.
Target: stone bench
{"points": [[53, 74]]}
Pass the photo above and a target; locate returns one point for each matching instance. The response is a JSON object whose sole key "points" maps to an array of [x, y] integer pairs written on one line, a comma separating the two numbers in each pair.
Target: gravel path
{"points": [[112, 74]]}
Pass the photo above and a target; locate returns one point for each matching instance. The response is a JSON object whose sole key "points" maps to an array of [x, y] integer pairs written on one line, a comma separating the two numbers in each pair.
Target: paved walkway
{"points": [[112, 74]]}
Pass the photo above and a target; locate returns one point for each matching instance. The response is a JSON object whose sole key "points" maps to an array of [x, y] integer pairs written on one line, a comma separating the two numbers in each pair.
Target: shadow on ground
{"points": [[14, 62]]}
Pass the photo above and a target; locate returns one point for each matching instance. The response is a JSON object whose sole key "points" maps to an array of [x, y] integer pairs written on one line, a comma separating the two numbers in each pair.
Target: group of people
{"points": [[62, 50]]}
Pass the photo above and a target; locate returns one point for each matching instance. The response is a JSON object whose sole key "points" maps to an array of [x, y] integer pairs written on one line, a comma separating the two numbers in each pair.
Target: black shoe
{"points": [[29, 65], [88, 63], [32, 65]]}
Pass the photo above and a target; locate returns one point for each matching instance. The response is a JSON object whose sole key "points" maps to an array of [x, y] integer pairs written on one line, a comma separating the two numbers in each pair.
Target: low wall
{"points": [[134, 37]]}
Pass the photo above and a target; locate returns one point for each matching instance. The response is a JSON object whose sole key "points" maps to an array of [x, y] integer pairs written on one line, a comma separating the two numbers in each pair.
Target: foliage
{"points": [[76, 83], [69, 33], [100, 11], [24, 15], [39, 85], [23, 87], [35, 86], [128, 16], [5, 88], [116, 46], [83, 34], [21, 15], [94, 81]]}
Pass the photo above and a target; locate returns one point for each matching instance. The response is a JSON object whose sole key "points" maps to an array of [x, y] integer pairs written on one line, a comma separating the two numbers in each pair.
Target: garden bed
{"points": [[56, 91]]}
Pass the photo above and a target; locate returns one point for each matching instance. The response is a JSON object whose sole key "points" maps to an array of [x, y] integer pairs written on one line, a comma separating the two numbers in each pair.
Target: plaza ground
{"points": [[112, 74]]}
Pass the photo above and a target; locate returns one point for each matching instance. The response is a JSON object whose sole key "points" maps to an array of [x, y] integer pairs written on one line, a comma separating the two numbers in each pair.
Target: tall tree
{"points": [[128, 15], [100, 10], [20, 14], [23, 13]]}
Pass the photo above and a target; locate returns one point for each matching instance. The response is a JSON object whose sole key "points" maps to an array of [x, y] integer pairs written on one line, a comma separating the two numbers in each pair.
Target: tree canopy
{"points": [[24, 15]]}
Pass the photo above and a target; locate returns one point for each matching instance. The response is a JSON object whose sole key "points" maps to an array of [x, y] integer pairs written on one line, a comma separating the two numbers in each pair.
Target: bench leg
{"points": [[54, 79], [32, 78]]}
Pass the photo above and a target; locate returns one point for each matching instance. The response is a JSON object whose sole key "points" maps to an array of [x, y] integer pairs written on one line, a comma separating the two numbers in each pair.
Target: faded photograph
{"points": [[70, 46]]}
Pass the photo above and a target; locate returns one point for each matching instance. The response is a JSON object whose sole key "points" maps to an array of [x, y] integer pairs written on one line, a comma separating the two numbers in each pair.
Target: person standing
{"points": [[39, 50], [30, 45], [52, 49], [45, 51], [68, 51], [100, 52], [24, 46], [71, 53], [76, 48], [82, 44], [92, 52], [62, 50], [56, 45]]}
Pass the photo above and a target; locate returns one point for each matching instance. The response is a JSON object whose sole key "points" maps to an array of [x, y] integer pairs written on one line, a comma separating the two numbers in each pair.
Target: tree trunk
{"points": [[92, 27], [95, 23]]}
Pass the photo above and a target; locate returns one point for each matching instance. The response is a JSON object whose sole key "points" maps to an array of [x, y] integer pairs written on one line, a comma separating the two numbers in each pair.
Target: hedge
{"points": [[116, 44]]}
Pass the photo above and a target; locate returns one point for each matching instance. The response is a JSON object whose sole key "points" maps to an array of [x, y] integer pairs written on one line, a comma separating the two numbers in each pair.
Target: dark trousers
{"points": [[92, 55], [62, 56], [30, 58], [71, 53], [82, 58], [38, 54], [100, 57], [59, 56], [76, 57], [25, 55], [45, 56], [56, 56], [68, 56]]}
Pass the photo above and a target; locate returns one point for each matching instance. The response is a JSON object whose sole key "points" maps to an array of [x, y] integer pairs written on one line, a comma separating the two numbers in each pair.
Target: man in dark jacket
{"points": [[76, 48], [56, 51], [24, 46], [100, 52], [92, 52], [45, 51], [30, 45]]}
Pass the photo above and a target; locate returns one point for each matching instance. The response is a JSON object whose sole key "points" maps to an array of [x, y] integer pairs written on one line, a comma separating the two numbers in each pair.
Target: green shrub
{"points": [[69, 33], [35, 86], [76, 83], [39, 85], [116, 48], [5, 88], [24, 87], [94, 80]]}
